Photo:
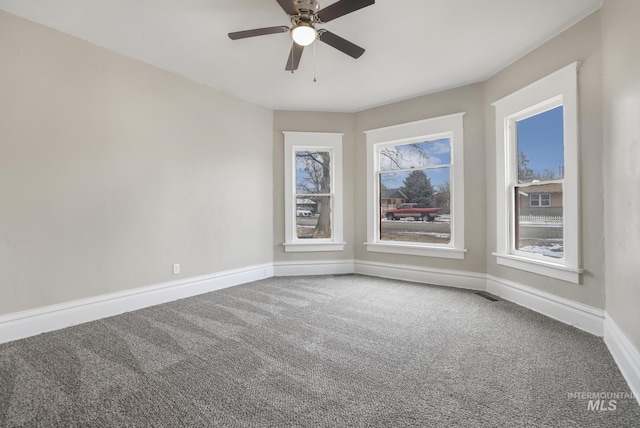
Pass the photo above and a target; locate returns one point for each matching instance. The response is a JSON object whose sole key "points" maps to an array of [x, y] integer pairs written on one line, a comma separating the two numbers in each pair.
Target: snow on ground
{"points": [[555, 250], [434, 234]]}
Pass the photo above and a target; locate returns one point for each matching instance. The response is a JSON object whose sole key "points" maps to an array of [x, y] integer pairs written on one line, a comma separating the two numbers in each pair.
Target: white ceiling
{"points": [[413, 47]]}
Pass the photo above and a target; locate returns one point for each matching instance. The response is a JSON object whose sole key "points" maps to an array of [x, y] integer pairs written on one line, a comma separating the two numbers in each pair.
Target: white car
{"points": [[303, 213]]}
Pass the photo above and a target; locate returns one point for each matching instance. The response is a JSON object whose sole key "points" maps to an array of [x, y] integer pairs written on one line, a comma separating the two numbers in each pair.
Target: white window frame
{"points": [[451, 127], [313, 141], [559, 88]]}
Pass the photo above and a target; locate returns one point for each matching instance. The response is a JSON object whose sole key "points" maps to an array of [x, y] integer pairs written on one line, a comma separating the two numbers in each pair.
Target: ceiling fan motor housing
{"points": [[304, 20], [308, 6]]}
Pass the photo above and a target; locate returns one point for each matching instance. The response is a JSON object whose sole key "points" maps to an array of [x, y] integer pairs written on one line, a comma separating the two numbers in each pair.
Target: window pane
{"points": [[313, 172], [540, 145], [414, 206], [535, 199], [539, 228], [313, 218], [415, 155]]}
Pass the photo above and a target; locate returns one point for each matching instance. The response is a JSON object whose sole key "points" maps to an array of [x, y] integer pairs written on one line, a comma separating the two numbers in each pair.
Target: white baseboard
{"points": [[29, 323], [36, 321], [316, 267], [581, 316], [458, 279], [451, 278], [626, 356]]}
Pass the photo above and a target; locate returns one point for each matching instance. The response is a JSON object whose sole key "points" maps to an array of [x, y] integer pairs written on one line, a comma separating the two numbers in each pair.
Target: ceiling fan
{"points": [[305, 15]]}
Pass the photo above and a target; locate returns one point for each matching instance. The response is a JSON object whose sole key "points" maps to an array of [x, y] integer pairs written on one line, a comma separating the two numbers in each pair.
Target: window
{"points": [[415, 194], [540, 200], [313, 191], [537, 177]]}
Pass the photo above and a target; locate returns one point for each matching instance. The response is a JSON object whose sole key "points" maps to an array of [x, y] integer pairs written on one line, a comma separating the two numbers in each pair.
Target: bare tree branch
{"points": [[398, 158]]}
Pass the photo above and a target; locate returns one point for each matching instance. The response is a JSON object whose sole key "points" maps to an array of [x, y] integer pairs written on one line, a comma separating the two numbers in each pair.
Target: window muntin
{"points": [[431, 147], [420, 172]]}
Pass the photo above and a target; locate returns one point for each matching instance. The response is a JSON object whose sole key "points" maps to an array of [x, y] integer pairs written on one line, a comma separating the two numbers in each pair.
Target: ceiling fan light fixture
{"points": [[304, 15], [304, 34]]}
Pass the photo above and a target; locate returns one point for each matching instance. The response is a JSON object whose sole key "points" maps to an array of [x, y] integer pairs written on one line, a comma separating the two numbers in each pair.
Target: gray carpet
{"points": [[315, 351]]}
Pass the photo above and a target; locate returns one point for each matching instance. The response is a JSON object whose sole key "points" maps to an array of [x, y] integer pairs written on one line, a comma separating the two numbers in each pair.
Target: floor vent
{"points": [[487, 296]]}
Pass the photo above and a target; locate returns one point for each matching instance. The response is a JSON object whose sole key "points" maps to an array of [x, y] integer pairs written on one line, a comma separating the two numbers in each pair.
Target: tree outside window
{"points": [[313, 182]]}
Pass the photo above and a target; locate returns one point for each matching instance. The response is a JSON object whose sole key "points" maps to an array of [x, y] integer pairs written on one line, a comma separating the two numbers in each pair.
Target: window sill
{"points": [[540, 267], [416, 250], [300, 247]]}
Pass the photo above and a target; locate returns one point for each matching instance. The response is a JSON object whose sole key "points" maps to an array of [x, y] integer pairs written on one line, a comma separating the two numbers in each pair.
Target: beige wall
{"points": [[622, 163], [112, 170], [582, 42]]}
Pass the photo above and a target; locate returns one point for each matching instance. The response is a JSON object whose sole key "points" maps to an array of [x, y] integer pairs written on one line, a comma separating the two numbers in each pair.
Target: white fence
{"points": [[541, 219]]}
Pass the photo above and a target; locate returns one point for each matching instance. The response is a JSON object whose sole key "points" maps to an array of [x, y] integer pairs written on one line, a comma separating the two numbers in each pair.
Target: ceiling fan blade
{"points": [[342, 8], [288, 6], [257, 32], [341, 44], [294, 57]]}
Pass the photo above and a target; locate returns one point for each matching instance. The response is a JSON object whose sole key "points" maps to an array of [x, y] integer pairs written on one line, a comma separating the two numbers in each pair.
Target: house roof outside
{"points": [[542, 188], [392, 194]]}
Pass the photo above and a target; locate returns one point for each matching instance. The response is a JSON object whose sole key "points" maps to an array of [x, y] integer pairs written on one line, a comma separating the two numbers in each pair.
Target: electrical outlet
{"points": [[176, 268]]}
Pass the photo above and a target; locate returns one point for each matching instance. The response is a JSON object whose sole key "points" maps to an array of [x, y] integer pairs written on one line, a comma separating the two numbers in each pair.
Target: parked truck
{"points": [[412, 210]]}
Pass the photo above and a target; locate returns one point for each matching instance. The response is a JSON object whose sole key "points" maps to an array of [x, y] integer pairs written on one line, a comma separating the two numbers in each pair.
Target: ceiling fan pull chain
{"points": [[315, 42]]}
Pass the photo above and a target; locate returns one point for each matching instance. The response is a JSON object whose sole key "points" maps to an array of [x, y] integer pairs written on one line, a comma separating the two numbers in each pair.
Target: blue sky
{"points": [[540, 137]]}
